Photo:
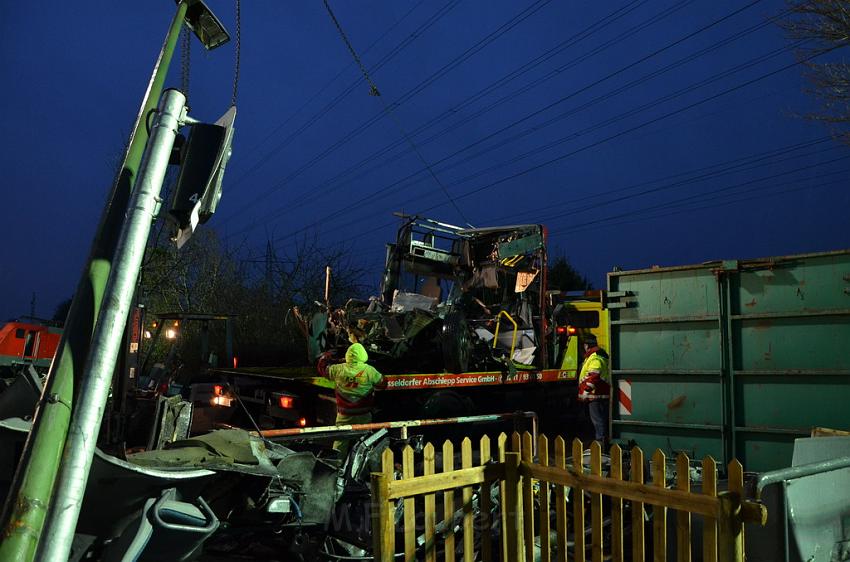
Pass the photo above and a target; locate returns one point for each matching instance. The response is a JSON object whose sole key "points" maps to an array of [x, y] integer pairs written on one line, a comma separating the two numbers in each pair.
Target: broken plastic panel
{"points": [[407, 302], [198, 189]]}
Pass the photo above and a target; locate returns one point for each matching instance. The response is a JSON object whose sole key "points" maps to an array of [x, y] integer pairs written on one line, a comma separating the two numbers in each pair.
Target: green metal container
{"points": [[733, 359]]}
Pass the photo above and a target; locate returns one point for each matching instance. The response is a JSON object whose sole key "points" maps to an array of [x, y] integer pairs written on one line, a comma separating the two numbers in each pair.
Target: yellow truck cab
{"points": [[575, 314]]}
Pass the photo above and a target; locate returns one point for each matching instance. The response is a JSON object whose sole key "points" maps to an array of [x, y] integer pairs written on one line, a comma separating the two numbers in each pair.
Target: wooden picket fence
{"points": [[524, 530]]}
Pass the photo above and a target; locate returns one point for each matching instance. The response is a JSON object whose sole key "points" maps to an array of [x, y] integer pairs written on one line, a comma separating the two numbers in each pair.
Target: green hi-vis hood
{"points": [[356, 353]]}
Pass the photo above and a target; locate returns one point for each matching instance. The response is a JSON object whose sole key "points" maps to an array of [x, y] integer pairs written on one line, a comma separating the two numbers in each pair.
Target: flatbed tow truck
{"points": [[464, 325]]}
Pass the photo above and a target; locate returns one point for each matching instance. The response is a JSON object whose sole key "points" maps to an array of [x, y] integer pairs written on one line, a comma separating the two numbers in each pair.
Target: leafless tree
{"points": [[259, 288], [823, 26]]}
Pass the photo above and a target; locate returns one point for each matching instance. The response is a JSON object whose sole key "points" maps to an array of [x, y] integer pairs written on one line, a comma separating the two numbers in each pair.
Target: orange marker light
{"points": [[302, 422], [286, 402], [218, 390]]}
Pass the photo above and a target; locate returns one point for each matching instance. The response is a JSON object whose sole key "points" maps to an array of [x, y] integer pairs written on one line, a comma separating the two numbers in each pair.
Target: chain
{"points": [[185, 46], [238, 51], [373, 89]]}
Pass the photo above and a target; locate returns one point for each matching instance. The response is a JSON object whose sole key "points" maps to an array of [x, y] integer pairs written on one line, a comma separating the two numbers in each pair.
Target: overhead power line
{"points": [[720, 169], [706, 173], [373, 90], [690, 198], [322, 89], [489, 107], [417, 33], [657, 17], [649, 213], [726, 194], [400, 184], [451, 65], [322, 189], [632, 129]]}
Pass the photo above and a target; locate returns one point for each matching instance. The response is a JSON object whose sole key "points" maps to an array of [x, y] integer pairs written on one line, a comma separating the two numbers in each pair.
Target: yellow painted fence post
{"points": [[731, 528]]}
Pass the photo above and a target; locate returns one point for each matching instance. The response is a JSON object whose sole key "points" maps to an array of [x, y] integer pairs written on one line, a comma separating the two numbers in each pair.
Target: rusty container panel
{"points": [[731, 358]]}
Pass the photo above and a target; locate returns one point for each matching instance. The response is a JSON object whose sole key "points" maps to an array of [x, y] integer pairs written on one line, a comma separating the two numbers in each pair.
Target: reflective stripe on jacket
{"points": [[594, 382]]}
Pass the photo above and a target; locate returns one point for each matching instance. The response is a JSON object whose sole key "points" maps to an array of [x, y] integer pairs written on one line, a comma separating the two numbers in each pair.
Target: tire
{"points": [[456, 343]]}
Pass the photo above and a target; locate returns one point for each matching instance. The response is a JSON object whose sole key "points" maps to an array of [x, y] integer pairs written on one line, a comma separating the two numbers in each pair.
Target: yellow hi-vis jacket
{"points": [[355, 382]]}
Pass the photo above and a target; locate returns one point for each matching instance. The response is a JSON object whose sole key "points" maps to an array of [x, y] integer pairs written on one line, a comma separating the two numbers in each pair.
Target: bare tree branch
{"points": [[824, 25]]}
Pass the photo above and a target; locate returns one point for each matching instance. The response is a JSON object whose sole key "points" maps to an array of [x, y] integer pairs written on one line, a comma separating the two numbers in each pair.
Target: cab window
{"points": [[583, 319], [30, 344]]}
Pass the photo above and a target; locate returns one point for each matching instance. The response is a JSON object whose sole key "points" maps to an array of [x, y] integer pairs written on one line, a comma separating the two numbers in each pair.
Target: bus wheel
{"points": [[455, 342]]}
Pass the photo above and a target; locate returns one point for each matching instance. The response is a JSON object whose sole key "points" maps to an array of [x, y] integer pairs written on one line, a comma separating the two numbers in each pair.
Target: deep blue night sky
{"points": [[593, 118]]}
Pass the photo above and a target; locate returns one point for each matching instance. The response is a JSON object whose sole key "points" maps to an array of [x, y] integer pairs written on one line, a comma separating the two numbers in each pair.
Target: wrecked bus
{"points": [[464, 324]]}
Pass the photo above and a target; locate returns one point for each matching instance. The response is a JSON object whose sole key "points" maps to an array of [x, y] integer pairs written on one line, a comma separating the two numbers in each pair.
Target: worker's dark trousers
{"points": [[599, 416]]}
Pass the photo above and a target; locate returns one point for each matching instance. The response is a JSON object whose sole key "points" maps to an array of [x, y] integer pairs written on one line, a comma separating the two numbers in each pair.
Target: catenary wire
{"points": [[529, 116], [550, 145], [454, 63], [725, 201], [704, 177], [325, 109], [309, 196], [373, 90], [722, 193], [327, 186], [609, 138]]}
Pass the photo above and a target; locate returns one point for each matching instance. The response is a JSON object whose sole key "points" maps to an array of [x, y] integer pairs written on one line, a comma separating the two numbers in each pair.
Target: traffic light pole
{"points": [[30, 495]]}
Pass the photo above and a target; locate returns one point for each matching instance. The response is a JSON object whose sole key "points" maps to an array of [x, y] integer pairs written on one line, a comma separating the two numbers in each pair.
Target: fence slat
{"points": [[409, 505], [578, 506], [683, 518], [659, 512], [528, 499], [501, 448], [383, 527], [516, 447], [449, 502], [468, 526], [512, 535], [730, 528], [543, 460], [485, 503], [387, 463], [638, 529], [736, 486], [430, 507], [617, 554], [561, 501], [596, 504], [709, 529]]}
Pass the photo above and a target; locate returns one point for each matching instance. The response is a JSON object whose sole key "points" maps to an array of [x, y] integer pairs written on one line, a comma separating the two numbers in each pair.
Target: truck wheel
{"points": [[456, 342]]}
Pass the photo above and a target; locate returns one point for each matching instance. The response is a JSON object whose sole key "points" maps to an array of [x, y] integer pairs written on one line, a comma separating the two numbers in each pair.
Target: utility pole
{"points": [[70, 487], [31, 492]]}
